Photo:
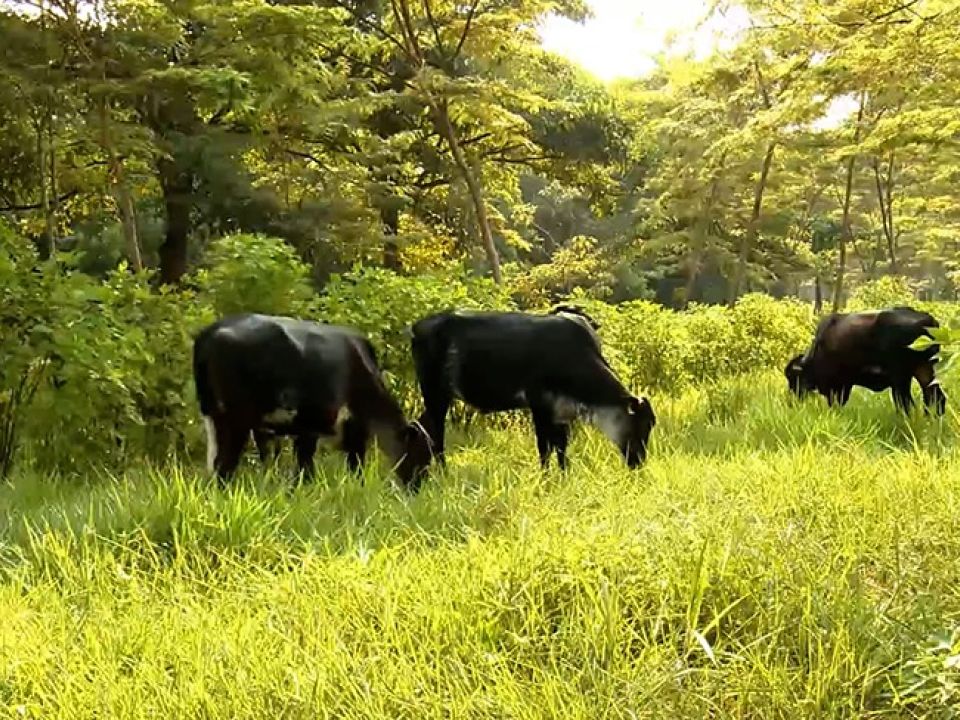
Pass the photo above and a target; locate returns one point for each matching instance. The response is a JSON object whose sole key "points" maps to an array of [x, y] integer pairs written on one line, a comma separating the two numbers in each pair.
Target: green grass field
{"points": [[772, 560]]}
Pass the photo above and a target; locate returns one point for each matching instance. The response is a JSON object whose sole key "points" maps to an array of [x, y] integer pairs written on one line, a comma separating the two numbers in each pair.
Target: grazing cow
{"points": [[551, 364], [872, 350], [275, 376]]}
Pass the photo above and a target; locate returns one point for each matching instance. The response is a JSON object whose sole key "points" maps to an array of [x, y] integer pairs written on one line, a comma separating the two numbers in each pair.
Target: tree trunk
{"points": [[885, 198], [390, 217], [817, 293], [128, 217], [846, 233], [693, 272], [702, 233], [54, 191], [177, 187], [750, 236], [49, 240], [446, 129]]}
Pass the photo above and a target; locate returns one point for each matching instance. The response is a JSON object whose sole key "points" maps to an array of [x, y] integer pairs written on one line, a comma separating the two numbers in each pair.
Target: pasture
{"points": [[772, 559]]}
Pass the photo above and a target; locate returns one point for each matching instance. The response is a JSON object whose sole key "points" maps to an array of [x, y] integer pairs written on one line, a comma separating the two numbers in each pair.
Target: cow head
{"points": [[934, 395], [796, 374], [417, 455], [629, 426]]}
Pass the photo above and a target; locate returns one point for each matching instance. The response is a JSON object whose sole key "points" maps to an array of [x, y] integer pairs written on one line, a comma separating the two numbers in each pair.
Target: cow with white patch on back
{"points": [[278, 376], [551, 364]]}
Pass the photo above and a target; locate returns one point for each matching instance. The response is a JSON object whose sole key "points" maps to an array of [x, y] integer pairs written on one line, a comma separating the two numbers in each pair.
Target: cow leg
{"points": [[544, 428], [305, 446], [354, 442], [434, 419], [434, 382], [267, 446], [844, 394], [231, 440], [902, 398], [933, 394], [561, 436]]}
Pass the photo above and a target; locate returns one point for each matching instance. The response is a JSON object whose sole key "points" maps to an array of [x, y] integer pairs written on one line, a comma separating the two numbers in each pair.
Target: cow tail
{"points": [[429, 348], [201, 377]]}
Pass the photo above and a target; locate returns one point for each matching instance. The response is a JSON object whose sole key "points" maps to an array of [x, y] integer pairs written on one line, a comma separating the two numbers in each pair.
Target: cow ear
{"points": [[634, 404]]}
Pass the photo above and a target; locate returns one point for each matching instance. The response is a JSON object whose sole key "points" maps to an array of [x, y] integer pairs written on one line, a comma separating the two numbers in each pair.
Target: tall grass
{"points": [[774, 559]]}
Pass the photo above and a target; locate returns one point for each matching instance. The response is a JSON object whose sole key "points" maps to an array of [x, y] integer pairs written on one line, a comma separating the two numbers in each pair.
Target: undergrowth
{"points": [[774, 559]]}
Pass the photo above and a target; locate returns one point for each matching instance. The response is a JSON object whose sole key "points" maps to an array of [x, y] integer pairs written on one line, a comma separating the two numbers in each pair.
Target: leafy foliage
{"points": [[254, 273]]}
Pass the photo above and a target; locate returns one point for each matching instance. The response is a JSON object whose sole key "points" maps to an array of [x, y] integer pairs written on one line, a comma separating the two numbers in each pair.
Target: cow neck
{"points": [[387, 421]]}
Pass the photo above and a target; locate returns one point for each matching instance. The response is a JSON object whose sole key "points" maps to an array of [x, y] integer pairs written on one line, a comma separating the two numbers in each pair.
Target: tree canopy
{"points": [[429, 134]]}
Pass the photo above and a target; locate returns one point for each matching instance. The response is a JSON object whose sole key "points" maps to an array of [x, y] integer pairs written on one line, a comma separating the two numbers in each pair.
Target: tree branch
{"points": [[466, 29], [373, 27], [433, 26], [339, 52], [475, 139], [762, 85], [900, 8], [411, 48], [526, 160], [431, 184], [307, 156], [36, 206]]}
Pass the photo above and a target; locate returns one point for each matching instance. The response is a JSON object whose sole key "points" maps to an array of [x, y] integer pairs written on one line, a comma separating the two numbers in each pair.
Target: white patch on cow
{"points": [[565, 409], [581, 320], [280, 416], [211, 442], [611, 421], [343, 414], [521, 397], [335, 438]]}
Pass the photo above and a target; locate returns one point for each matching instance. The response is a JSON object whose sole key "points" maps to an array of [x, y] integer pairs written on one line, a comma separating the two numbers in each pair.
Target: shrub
{"points": [[254, 273], [882, 293], [110, 361], [578, 265], [767, 332], [122, 383], [654, 348]]}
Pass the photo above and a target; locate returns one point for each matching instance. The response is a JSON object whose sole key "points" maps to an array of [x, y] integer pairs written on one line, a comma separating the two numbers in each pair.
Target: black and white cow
{"points": [[872, 350], [551, 364], [276, 376]]}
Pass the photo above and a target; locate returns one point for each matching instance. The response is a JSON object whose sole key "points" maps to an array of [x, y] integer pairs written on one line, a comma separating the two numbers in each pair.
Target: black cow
{"points": [[551, 364], [277, 376], [872, 350]]}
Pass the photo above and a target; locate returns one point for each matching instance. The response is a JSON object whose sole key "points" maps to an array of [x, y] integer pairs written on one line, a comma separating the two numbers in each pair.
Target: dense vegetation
{"points": [[165, 162]]}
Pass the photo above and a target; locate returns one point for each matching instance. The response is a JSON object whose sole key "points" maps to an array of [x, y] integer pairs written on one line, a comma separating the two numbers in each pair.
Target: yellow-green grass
{"points": [[773, 560]]}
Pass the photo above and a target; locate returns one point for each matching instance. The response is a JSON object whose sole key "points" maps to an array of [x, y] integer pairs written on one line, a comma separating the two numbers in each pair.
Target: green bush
{"points": [[654, 348], [254, 273], [885, 292], [121, 385], [112, 359]]}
